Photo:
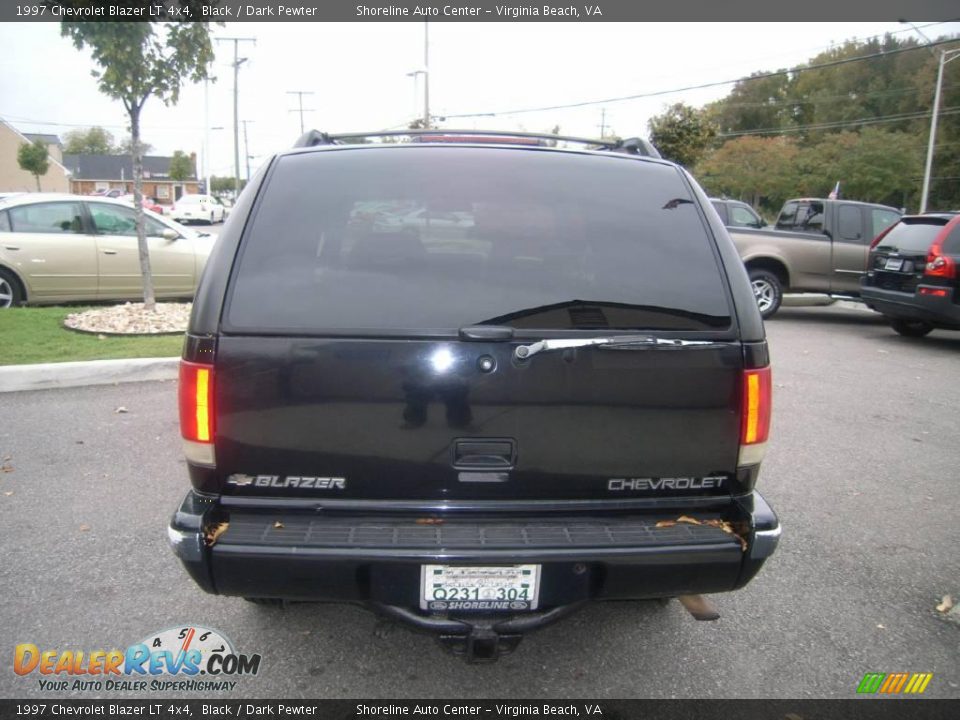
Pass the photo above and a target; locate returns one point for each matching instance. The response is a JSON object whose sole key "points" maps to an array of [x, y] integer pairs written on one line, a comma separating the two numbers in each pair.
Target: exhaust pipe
{"points": [[700, 607]]}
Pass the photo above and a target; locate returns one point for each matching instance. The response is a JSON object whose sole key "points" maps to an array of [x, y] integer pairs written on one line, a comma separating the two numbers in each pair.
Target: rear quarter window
{"points": [[912, 236], [415, 239]]}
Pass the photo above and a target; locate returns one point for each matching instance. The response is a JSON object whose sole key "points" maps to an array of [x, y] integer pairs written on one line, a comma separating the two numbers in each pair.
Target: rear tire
{"points": [[912, 328], [767, 291], [11, 293]]}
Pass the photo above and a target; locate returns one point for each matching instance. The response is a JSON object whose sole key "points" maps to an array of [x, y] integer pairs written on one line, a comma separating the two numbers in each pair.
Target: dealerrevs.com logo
{"points": [[182, 658]]}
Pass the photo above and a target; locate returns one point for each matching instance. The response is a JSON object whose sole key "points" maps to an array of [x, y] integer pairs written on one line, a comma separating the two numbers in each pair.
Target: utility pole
{"points": [[206, 136], [237, 62], [603, 122], [246, 146], [943, 57], [300, 94], [426, 75]]}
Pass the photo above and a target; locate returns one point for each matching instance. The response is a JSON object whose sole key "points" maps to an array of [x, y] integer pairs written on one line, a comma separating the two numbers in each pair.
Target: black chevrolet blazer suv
{"points": [[473, 381]]}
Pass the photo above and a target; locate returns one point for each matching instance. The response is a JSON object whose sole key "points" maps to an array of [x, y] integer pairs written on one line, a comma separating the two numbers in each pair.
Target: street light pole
{"points": [[206, 135], [426, 75], [246, 146], [237, 62], [945, 56]]}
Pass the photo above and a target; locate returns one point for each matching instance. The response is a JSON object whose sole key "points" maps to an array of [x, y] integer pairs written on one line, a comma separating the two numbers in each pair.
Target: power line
{"points": [[824, 99], [840, 123], [703, 86]]}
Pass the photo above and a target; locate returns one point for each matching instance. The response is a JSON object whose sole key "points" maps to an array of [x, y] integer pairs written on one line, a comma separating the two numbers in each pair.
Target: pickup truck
{"points": [[817, 245]]}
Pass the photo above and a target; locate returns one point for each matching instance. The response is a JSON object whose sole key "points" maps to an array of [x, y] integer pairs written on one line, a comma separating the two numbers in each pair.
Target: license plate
{"points": [[893, 264], [467, 587]]}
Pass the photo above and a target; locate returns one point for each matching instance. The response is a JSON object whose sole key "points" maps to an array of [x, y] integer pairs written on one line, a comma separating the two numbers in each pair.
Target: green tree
{"points": [[681, 134], [873, 165], [92, 141], [181, 166], [760, 170], [137, 60], [126, 147], [34, 158], [224, 186], [754, 103]]}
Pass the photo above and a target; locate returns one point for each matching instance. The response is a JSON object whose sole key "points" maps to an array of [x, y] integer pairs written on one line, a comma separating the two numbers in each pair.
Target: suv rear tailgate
{"points": [[380, 416]]}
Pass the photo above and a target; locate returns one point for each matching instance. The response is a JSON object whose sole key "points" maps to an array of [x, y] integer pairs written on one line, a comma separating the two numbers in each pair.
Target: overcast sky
{"points": [[358, 74]]}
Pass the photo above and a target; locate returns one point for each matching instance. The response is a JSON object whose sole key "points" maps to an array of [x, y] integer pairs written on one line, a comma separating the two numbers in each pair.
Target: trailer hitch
{"points": [[477, 638], [482, 644]]}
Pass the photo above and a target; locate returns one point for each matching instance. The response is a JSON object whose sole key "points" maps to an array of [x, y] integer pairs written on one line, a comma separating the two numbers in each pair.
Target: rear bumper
{"points": [[271, 553], [941, 311]]}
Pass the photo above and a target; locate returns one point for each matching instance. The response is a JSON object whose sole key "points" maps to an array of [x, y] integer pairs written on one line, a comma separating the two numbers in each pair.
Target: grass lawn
{"points": [[36, 335]]}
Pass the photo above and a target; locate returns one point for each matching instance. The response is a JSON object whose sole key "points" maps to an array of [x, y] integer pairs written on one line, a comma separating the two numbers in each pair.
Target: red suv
{"points": [[912, 274]]}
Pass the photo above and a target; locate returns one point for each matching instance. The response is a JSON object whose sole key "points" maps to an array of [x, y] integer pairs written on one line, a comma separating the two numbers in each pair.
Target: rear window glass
{"points": [[917, 236], [439, 238], [54, 217], [849, 220], [801, 216]]}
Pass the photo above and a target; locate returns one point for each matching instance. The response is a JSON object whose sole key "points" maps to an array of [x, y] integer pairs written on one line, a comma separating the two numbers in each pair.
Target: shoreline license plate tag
{"points": [[471, 587]]}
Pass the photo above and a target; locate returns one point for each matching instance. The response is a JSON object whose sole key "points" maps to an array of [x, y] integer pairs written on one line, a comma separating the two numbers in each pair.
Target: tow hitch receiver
{"points": [[700, 607], [482, 645], [478, 639]]}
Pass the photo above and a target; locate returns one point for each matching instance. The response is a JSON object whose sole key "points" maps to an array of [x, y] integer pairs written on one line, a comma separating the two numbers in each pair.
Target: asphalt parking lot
{"points": [[862, 468]]}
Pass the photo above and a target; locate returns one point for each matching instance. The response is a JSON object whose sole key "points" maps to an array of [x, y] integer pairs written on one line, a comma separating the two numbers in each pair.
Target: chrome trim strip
{"points": [[497, 506]]}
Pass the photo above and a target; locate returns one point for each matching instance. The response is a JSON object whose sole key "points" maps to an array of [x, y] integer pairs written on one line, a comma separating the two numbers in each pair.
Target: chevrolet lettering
{"points": [[684, 483]]}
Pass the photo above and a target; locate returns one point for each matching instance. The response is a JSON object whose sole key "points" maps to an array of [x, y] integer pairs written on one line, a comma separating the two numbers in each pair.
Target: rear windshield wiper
{"points": [[617, 341]]}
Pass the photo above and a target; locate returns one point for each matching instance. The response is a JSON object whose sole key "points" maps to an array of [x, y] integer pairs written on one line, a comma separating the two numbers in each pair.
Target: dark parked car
{"points": [[735, 213], [474, 432], [912, 274]]}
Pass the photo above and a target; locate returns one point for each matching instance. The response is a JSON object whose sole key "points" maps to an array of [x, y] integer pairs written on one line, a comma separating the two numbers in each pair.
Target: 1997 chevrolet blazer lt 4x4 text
{"points": [[472, 382]]}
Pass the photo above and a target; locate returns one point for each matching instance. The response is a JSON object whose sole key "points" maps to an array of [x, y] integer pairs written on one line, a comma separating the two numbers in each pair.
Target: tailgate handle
{"points": [[484, 454], [486, 333]]}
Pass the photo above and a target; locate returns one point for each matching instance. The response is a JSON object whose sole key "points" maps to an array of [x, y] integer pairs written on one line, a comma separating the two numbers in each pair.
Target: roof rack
{"points": [[630, 146]]}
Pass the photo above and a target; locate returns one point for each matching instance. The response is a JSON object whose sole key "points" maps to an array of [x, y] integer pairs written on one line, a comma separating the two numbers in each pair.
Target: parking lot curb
{"points": [[49, 376], [818, 300]]}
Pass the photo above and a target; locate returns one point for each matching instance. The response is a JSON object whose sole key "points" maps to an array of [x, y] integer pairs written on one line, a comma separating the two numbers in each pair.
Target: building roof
{"points": [[45, 138], [118, 167]]}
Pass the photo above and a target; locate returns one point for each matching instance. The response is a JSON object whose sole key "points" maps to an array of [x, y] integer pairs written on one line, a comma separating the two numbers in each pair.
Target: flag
{"points": [[835, 193]]}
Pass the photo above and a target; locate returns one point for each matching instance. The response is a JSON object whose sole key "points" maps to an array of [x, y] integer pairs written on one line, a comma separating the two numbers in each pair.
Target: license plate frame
{"points": [[893, 264], [477, 588]]}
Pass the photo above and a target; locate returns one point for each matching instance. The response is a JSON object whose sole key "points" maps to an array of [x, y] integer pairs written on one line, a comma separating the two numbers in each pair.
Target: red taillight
{"points": [[938, 264], [934, 292], [757, 402], [196, 402]]}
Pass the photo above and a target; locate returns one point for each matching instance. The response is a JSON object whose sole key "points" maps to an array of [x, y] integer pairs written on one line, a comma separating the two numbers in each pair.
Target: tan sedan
{"points": [[64, 248]]}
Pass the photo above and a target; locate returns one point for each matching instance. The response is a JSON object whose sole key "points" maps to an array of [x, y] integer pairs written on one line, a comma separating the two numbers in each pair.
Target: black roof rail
{"points": [[636, 146], [631, 146], [312, 138]]}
